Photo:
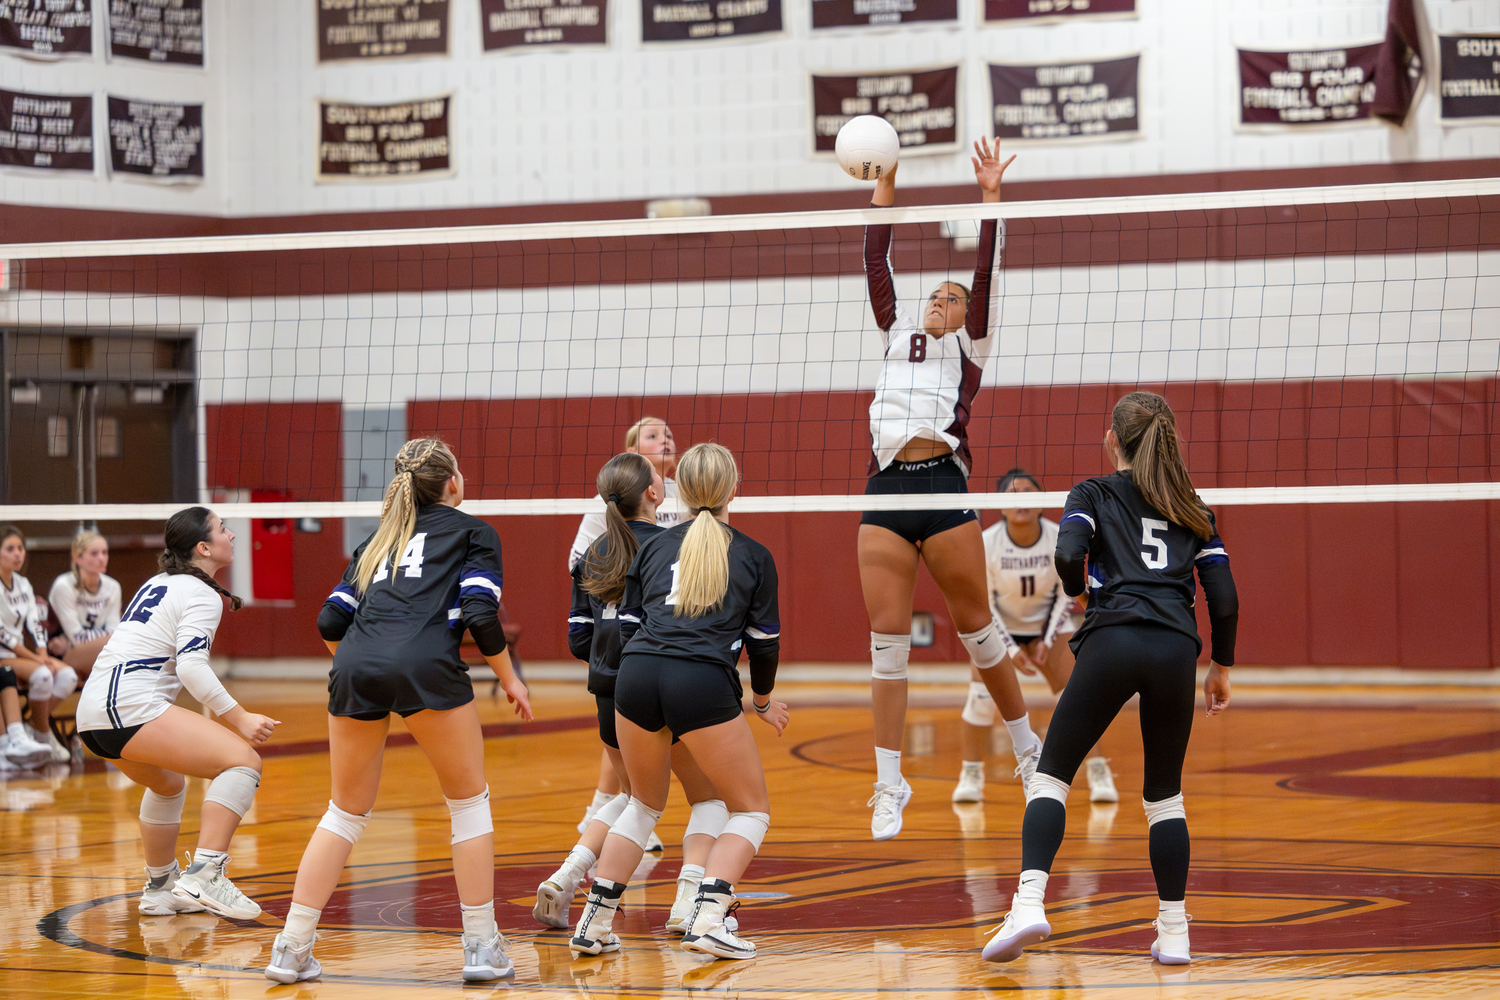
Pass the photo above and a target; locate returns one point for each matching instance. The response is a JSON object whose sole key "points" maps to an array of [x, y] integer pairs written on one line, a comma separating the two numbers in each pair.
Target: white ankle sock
{"points": [[301, 924], [160, 873], [1021, 735], [203, 857], [479, 921], [1171, 916], [888, 766], [979, 764], [17, 731], [691, 873], [1032, 888], [580, 859]]}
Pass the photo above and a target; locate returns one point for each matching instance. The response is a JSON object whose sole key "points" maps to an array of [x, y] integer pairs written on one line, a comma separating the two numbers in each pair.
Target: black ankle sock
{"points": [[606, 889], [716, 885], [1042, 833], [1170, 853]]}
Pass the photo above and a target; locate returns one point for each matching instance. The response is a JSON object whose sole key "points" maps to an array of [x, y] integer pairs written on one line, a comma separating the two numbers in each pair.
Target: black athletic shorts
{"points": [[108, 743], [606, 706], [660, 692], [933, 475], [370, 692]]}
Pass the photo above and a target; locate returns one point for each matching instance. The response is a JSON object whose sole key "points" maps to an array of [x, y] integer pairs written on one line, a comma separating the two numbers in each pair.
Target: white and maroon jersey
{"points": [[1026, 594], [18, 614], [927, 383], [592, 525], [85, 615], [160, 647]]}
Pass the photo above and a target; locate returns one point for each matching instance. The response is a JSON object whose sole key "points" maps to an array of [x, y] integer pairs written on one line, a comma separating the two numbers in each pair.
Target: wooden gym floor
{"points": [[1345, 844]]}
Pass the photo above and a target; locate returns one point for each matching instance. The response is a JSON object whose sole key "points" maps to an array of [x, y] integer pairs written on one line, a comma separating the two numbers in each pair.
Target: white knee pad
{"points": [[64, 682], [39, 685], [234, 789], [708, 818], [470, 817], [984, 646], [750, 826], [162, 810], [1164, 810], [979, 710], [343, 824], [609, 813], [888, 656], [636, 822], [1044, 786]]}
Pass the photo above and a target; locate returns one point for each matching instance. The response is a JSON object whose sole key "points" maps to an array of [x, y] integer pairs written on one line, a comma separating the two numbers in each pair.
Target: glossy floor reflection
{"points": [[1345, 844]]}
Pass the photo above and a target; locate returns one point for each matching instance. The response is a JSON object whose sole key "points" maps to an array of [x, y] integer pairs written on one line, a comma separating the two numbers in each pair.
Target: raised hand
{"points": [[988, 168]]}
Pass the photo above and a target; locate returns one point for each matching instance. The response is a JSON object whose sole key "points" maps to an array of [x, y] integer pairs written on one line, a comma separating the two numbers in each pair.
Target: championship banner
{"points": [[169, 31], [1301, 88], [375, 141], [1066, 101], [1055, 10], [49, 131], [156, 139], [1469, 68], [676, 21], [44, 28], [922, 107], [378, 29], [509, 24], [862, 13]]}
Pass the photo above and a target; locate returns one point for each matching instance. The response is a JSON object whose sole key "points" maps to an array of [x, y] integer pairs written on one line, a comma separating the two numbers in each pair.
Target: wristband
{"points": [[762, 711]]}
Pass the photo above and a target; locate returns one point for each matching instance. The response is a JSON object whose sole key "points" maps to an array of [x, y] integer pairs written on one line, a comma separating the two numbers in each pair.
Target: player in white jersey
{"points": [[23, 645], [919, 434], [1031, 614], [651, 437], [86, 602], [127, 714]]}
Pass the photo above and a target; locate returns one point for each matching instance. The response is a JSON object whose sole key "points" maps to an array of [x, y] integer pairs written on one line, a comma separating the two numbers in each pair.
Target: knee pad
{"points": [[39, 684], [636, 822], [1044, 786], [470, 817], [609, 813], [162, 810], [888, 656], [343, 824], [984, 646], [234, 789], [64, 682], [708, 818], [1166, 809], [979, 710], [7, 678], [750, 826]]}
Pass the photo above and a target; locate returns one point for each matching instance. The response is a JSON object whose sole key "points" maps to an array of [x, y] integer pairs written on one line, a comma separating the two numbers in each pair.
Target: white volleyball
{"points": [[867, 147]]}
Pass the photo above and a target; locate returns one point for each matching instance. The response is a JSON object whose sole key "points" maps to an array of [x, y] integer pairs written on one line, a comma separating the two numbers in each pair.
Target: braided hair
{"points": [[185, 529], [423, 467], [1147, 432]]}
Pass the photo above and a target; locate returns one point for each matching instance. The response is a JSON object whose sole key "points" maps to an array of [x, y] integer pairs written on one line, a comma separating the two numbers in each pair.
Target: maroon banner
{"points": [[169, 31], [379, 29], [921, 106], [49, 131], [1033, 10], [368, 141], [862, 13], [155, 138], [1301, 88], [509, 24], [1059, 102], [1469, 69], [46, 27], [693, 20]]}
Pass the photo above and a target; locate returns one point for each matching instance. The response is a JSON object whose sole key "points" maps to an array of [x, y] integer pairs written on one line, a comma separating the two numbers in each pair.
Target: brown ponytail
{"points": [[622, 483], [185, 529], [1147, 432]]}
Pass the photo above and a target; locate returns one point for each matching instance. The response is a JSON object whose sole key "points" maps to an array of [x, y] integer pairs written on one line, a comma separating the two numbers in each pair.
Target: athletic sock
{"points": [[1042, 830], [1171, 853], [203, 857], [579, 860], [301, 924], [974, 763], [888, 766], [1171, 915], [599, 799], [1031, 889], [160, 873], [479, 921], [691, 873], [1021, 735]]}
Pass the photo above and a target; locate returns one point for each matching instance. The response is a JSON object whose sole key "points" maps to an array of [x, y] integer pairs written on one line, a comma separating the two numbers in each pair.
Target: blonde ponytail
{"points": [[423, 467], [706, 479]]}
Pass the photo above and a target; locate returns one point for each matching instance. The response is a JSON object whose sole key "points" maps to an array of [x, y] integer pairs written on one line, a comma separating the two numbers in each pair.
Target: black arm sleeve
{"points": [[580, 621], [1073, 539], [878, 275], [484, 625], [977, 316], [333, 621], [1223, 608], [764, 656]]}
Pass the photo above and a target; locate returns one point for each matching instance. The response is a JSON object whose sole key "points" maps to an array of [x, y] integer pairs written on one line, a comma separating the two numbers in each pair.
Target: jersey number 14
{"points": [[410, 561]]}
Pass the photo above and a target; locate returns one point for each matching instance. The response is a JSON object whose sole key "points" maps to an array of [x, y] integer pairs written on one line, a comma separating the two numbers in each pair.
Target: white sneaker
{"points": [[654, 844], [682, 906], [159, 901], [1101, 780], [1026, 762], [291, 964], [210, 887], [60, 754], [485, 961], [1023, 925], [711, 933], [970, 786], [595, 934], [553, 899], [1171, 945], [26, 752], [888, 801]]}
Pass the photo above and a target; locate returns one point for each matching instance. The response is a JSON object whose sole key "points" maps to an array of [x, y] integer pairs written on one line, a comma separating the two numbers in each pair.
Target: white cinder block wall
{"points": [[712, 118]]}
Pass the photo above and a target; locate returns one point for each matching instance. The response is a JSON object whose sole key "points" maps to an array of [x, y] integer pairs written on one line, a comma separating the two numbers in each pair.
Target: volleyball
{"points": [[867, 147]]}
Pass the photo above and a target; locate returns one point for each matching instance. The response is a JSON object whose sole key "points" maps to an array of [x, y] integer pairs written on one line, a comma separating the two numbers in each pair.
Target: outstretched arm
{"points": [[988, 171], [877, 256]]}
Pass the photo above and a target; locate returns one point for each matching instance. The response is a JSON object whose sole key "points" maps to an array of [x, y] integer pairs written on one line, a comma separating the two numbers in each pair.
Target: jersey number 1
{"points": [[411, 559], [671, 600]]}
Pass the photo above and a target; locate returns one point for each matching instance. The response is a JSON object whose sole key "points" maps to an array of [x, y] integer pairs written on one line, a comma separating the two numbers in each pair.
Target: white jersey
{"points": [[85, 615], [592, 525], [160, 647], [1026, 594], [18, 615]]}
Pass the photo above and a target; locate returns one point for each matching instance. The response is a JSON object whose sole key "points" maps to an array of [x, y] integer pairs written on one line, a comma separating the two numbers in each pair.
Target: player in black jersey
{"points": [[632, 488], [1143, 531], [694, 596], [394, 626]]}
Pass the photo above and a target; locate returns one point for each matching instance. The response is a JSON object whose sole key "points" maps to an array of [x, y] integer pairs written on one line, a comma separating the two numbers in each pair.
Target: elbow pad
{"points": [[333, 622], [489, 636]]}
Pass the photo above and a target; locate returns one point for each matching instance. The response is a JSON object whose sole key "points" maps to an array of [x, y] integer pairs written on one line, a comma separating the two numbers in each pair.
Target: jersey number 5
{"points": [[918, 348], [411, 559], [1157, 558]]}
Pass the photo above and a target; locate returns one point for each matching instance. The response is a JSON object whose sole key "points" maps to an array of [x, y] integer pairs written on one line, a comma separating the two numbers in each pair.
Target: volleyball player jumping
{"points": [[394, 626], [919, 428], [1143, 531]]}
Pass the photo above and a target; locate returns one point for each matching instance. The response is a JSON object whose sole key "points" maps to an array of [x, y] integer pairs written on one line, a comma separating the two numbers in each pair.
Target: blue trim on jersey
{"points": [[1080, 515], [344, 595], [196, 643], [109, 701], [767, 630], [1096, 573], [482, 589]]}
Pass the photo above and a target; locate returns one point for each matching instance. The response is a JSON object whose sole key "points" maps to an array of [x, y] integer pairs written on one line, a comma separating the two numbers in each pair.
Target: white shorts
{"points": [[125, 695]]}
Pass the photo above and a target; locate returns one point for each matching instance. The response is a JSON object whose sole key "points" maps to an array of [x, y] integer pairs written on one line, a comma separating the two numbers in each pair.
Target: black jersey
{"points": [[1140, 565], [594, 625], [748, 617]]}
